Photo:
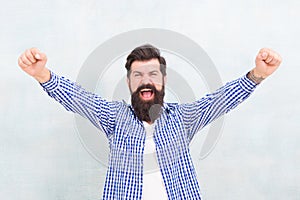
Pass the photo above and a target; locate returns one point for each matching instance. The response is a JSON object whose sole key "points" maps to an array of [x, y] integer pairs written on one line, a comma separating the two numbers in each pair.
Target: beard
{"points": [[148, 110]]}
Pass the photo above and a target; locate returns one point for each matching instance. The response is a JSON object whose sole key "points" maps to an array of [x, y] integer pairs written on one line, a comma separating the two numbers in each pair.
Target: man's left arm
{"points": [[198, 114]]}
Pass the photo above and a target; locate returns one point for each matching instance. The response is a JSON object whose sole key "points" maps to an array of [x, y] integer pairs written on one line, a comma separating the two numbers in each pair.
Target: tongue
{"points": [[147, 94]]}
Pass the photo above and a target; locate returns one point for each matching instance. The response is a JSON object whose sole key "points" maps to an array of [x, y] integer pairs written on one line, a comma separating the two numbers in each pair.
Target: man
{"points": [[148, 124]]}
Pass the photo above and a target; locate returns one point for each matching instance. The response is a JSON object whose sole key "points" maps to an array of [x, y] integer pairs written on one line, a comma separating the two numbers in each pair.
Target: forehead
{"points": [[145, 66]]}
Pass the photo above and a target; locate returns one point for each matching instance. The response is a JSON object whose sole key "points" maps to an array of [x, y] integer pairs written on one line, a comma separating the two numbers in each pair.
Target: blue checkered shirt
{"points": [[173, 133]]}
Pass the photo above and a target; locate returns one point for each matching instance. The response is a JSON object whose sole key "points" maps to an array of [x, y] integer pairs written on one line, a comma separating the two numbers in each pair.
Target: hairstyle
{"points": [[144, 53]]}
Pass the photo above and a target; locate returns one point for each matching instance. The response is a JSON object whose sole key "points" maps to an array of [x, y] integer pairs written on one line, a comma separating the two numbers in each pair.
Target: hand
{"points": [[267, 61], [33, 62]]}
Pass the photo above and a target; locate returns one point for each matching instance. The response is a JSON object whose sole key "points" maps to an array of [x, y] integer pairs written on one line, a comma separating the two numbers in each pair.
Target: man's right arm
{"points": [[72, 96]]}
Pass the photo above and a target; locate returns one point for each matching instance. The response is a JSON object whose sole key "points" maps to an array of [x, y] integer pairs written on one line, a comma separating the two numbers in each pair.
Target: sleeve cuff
{"points": [[247, 84], [52, 83]]}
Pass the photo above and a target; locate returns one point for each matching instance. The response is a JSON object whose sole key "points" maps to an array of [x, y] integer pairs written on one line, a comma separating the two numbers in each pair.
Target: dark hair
{"points": [[144, 53]]}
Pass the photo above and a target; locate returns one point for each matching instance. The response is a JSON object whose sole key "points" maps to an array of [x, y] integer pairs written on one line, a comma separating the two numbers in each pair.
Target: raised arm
{"points": [[72, 96], [198, 114]]}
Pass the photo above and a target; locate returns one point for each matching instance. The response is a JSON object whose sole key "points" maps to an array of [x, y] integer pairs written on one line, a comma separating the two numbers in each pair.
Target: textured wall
{"points": [[257, 156]]}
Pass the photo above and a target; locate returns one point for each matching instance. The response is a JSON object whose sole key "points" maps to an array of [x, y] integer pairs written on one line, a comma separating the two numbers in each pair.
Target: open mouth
{"points": [[146, 94]]}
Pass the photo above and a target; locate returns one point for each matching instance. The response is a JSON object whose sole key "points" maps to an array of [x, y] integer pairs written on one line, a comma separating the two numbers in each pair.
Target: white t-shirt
{"points": [[153, 184]]}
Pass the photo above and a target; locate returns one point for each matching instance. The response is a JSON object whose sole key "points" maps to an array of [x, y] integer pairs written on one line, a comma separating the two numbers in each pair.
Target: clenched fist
{"points": [[267, 61], [33, 62]]}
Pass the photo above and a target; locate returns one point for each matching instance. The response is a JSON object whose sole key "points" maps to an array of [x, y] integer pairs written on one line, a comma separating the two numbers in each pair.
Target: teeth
{"points": [[146, 90]]}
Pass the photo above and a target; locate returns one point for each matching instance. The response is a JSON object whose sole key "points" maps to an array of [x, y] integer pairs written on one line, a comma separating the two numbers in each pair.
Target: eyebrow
{"points": [[136, 72], [154, 71], [142, 72]]}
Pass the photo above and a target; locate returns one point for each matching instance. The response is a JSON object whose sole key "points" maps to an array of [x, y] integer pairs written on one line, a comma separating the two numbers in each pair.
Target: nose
{"points": [[146, 80]]}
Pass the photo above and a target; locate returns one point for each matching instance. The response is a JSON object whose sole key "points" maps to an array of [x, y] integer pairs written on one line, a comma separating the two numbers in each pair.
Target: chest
{"points": [[130, 134]]}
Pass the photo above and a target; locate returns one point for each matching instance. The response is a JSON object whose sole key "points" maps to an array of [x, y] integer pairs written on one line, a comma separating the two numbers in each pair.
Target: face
{"points": [[144, 73], [146, 84]]}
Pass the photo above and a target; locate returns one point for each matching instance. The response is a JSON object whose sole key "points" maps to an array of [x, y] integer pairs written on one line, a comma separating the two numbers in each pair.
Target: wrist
{"points": [[254, 77], [44, 76]]}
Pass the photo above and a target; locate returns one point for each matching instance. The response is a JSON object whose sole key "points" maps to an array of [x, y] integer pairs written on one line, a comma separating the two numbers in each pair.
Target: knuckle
{"points": [[33, 49], [25, 59], [27, 53], [21, 63]]}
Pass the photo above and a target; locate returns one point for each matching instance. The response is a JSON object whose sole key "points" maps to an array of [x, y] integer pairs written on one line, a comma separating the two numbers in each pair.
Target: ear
{"points": [[128, 82], [165, 79]]}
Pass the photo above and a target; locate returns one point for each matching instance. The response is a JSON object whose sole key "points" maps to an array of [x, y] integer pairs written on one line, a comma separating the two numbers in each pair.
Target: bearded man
{"points": [[149, 124]]}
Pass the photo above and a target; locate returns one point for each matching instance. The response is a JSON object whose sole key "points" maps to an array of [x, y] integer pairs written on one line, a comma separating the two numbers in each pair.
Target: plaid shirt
{"points": [[173, 133]]}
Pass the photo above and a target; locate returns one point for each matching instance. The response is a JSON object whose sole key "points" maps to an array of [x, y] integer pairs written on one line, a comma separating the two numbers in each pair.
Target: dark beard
{"points": [[150, 110]]}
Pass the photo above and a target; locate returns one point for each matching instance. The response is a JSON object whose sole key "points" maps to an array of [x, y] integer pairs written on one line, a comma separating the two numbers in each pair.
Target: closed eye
{"points": [[137, 74], [153, 74]]}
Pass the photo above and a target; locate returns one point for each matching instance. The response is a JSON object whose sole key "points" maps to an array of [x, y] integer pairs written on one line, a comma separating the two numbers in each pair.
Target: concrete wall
{"points": [[257, 155]]}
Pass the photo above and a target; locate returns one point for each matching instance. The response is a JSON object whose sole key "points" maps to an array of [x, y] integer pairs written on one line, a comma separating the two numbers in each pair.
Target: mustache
{"points": [[146, 86]]}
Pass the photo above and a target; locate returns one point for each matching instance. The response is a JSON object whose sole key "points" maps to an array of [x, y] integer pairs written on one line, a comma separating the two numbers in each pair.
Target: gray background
{"points": [[257, 156]]}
